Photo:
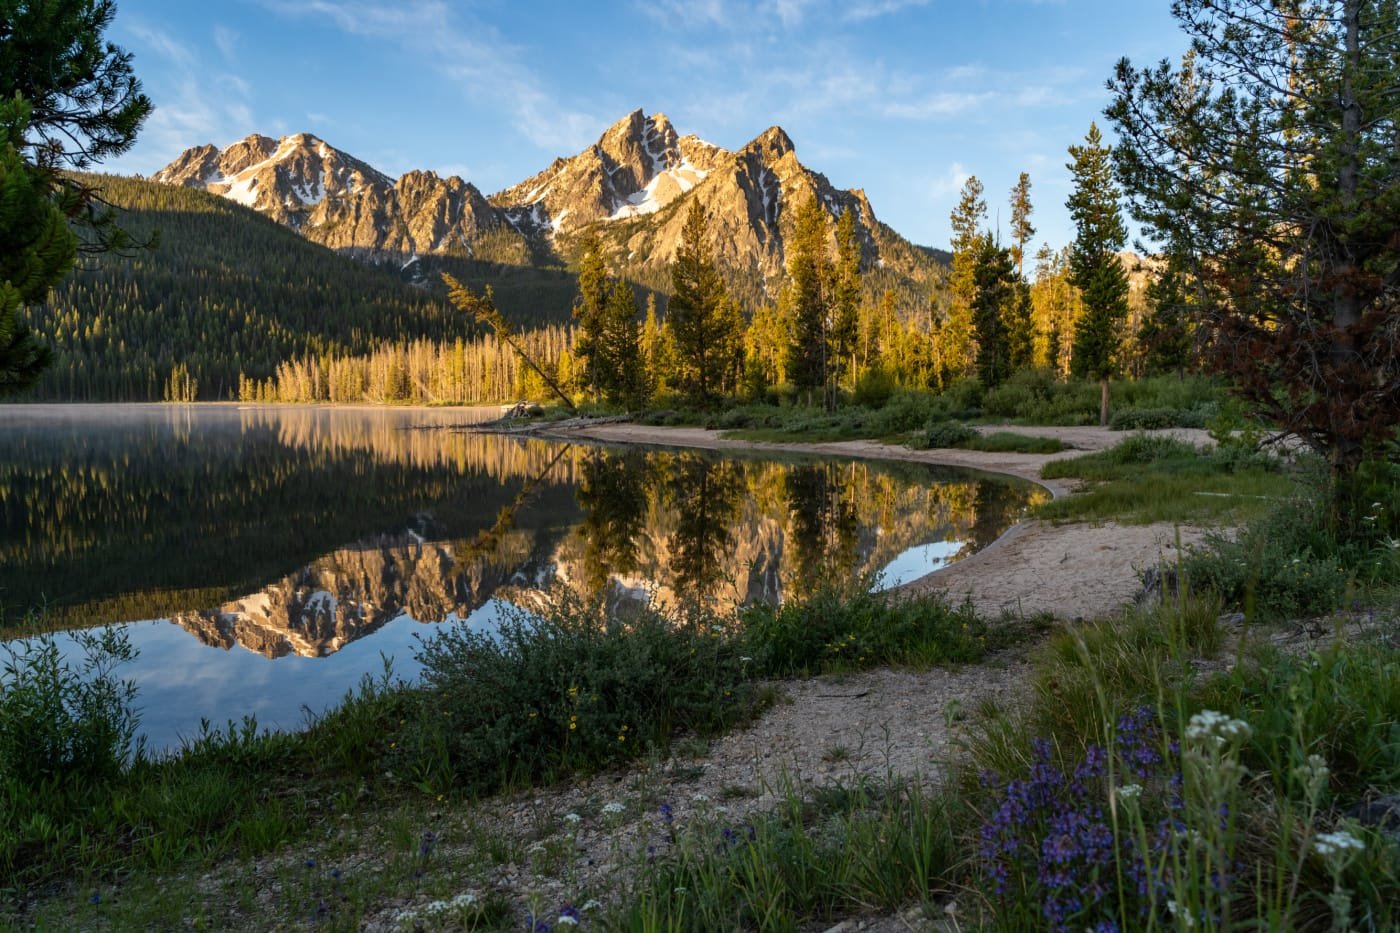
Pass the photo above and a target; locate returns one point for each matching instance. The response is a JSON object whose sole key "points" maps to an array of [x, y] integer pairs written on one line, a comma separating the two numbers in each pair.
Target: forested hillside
{"points": [[226, 291]]}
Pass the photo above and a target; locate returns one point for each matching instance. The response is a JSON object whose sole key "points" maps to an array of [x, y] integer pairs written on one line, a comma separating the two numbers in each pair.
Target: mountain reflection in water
{"points": [[298, 531]]}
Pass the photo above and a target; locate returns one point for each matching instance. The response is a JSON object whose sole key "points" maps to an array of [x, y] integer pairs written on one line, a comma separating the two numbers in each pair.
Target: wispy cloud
{"points": [[199, 105], [871, 9], [474, 56]]}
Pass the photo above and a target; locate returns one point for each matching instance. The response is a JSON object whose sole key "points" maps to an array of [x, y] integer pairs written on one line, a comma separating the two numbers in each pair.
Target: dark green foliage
{"points": [[1294, 562], [227, 292], [1021, 227], [60, 724], [703, 321], [608, 340], [36, 250], [86, 101], [1151, 419], [1344, 700], [874, 388], [947, 434], [839, 630], [1095, 268], [1040, 397], [1267, 166], [575, 690], [997, 308], [809, 283]]}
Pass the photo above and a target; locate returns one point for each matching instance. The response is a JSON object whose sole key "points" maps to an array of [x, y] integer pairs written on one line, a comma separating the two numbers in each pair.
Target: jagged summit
{"points": [[628, 187]]}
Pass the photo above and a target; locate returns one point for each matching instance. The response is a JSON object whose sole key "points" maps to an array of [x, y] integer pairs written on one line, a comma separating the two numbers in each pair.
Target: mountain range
{"points": [[632, 188]]}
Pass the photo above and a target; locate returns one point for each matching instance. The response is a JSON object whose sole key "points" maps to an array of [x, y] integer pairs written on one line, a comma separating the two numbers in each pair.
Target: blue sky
{"points": [[904, 98]]}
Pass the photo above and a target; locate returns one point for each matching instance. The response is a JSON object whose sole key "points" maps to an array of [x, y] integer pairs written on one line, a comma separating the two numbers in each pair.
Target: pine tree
{"points": [[1095, 268], [697, 314], [956, 333], [808, 293], [1267, 164], [1021, 228], [592, 346], [68, 99], [993, 306], [36, 251], [845, 312], [624, 379]]}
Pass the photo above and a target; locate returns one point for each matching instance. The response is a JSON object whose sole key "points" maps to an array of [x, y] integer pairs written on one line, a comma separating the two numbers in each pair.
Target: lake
{"points": [[264, 559]]}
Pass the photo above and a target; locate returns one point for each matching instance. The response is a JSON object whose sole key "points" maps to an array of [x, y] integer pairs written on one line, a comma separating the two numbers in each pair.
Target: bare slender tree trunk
{"points": [[1103, 402]]}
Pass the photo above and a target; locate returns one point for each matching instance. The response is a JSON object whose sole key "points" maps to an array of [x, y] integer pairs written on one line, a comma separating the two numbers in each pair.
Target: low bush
{"points": [[1002, 442], [834, 630], [574, 689], [946, 434], [1152, 419]]}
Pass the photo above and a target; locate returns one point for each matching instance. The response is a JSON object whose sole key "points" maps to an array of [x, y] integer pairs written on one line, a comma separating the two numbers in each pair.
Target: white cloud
{"points": [[227, 41], [950, 182], [870, 9], [198, 106], [477, 58]]}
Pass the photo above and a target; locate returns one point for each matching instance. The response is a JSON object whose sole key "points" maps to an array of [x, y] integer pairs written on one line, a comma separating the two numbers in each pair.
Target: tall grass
{"points": [[1147, 478]]}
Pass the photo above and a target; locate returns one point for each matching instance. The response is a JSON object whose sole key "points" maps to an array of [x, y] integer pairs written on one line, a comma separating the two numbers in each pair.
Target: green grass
{"points": [[1145, 479], [565, 693], [1004, 442]]}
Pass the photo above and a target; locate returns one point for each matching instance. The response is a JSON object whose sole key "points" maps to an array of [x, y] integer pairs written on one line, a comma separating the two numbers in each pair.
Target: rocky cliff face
{"points": [[337, 200], [633, 187]]}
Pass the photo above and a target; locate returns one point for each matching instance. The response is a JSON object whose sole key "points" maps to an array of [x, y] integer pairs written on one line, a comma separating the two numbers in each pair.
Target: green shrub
{"points": [[1011, 442], [1280, 567], [1153, 419], [833, 630], [575, 689], [874, 388], [64, 724], [947, 434], [1038, 395]]}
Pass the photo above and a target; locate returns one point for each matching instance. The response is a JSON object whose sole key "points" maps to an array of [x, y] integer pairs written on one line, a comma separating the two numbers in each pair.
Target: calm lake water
{"points": [[264, 559]]}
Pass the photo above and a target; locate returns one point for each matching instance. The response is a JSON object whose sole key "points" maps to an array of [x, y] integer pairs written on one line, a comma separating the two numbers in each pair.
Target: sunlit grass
{"points": [[1143, 480]]}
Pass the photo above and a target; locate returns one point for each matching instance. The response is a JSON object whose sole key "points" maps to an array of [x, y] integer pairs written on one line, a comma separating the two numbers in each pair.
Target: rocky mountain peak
{"points": [[628, 186]]}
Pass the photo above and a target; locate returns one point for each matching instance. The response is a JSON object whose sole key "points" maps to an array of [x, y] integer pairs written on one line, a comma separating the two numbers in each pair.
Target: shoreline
{"points": [[1072, 571]]}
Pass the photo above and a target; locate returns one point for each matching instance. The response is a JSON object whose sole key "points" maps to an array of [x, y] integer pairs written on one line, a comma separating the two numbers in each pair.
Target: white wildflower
{"points": [[700, 798], [612, 808], [1338, 843], [572, 818], [1211, 728], [592, 904], [435, 907], [1187, 920], [1130, 792], [567, 921], [466, 899]]}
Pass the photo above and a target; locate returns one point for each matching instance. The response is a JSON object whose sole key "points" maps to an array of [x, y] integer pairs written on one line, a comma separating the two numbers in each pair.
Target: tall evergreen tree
{"points": [[697, 316], [957, 334], [590, 311], [67, 99], [808, 287], [1095, 268], [845, 311], [1270, 163], [36, 251], [1021, 228], [994, 302], [623, 380]]}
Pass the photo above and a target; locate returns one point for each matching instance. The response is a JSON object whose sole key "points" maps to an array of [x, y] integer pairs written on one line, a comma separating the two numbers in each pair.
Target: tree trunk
{"points": [[1103, 402]]}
